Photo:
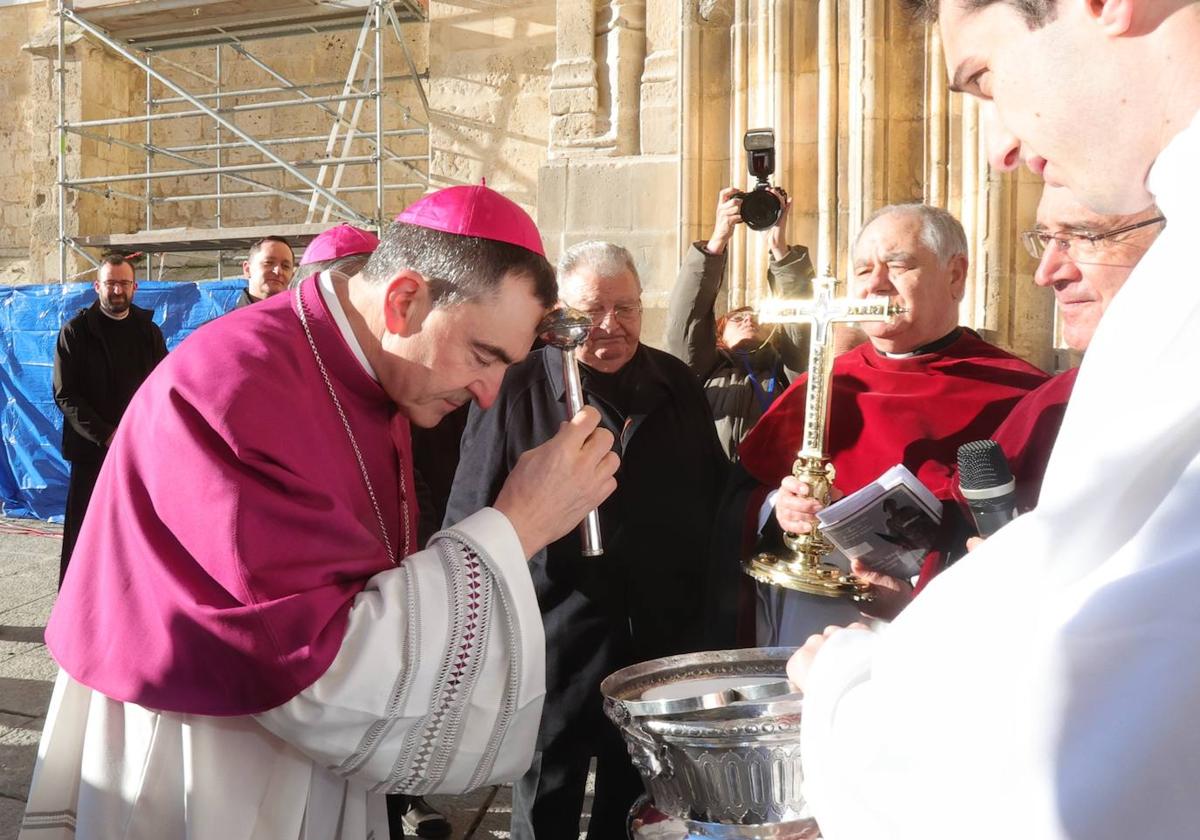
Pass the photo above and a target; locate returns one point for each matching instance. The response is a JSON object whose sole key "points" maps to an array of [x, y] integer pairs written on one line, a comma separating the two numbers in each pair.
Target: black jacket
{"points": [[692, 336], [641, 599], [91, 393]]}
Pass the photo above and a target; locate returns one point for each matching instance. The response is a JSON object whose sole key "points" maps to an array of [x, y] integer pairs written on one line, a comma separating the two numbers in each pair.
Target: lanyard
{"points": [[764, 394]]}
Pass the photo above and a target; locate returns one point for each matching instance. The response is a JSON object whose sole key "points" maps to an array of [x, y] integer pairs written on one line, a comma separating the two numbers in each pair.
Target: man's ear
{"points": [[958, 276], [405, 303], [1114, 16], [246, 268]]}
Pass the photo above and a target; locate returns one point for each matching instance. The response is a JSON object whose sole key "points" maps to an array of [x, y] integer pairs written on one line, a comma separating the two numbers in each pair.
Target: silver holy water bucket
{"points": [[716, 737]]}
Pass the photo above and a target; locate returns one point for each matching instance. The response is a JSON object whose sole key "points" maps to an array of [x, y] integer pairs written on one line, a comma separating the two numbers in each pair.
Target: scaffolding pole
{"points": [[62, 146], [378, 8], [230, 196], [219, 155], [176, 151], [149, 147]]}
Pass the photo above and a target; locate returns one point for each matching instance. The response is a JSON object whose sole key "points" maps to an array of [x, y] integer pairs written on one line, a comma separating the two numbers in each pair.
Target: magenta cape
{"points": [[915, 411], [230, 529]]}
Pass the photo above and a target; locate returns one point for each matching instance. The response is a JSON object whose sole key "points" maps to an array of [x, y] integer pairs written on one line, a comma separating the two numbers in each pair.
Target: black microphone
{"points": [[987, 483]]}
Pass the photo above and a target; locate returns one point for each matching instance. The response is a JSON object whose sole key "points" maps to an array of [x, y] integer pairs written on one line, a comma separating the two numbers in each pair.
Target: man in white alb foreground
{"points": [[1046, 685]]}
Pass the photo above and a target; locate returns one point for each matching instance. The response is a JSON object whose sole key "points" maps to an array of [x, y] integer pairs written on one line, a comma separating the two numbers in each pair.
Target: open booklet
{"points": [[890, 525]]}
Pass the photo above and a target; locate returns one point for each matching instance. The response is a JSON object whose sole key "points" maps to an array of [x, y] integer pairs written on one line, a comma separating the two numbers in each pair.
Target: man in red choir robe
{"points": [[254, 646], [918, 389], [1086, 258]]}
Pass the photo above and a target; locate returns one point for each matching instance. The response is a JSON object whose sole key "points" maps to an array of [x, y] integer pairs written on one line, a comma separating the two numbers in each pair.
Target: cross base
{"points": [[802, 566], [797, 572]]}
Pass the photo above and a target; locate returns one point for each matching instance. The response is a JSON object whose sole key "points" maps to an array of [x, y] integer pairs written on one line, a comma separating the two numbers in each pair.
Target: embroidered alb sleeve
{"points": [[439, 682]]}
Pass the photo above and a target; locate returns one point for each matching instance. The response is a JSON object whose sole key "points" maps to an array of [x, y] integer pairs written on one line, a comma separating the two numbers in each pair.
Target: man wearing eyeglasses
{"points": [[1085, 257], [642, 598], [103, 354]]}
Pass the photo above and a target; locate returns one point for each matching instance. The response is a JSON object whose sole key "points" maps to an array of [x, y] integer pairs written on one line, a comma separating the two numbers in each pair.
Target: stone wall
{"points": [[489, 68], [22, 139]]}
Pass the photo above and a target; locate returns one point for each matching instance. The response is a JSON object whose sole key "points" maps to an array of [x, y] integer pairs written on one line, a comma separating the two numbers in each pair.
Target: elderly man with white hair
{"points": [[921, 386], [638, 601]]}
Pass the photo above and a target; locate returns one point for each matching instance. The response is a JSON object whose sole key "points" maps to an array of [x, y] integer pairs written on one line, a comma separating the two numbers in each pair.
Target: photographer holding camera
{"points": [[743, 365]]}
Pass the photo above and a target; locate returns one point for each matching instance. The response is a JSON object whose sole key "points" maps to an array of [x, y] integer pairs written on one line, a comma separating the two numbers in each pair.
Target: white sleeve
{"points": [[839, 740], [438, 685]]}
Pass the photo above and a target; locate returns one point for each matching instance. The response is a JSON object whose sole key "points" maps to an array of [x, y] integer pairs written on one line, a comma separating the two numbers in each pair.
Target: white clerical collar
{"points": [[325, 286], [932, 347]]}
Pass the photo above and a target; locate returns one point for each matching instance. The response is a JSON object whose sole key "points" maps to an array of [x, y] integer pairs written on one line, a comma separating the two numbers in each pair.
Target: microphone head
{"points": [[982, 465]]}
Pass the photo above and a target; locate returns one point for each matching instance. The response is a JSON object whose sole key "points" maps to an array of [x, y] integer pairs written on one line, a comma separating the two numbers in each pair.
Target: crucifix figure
{"points": [[804, 568]]}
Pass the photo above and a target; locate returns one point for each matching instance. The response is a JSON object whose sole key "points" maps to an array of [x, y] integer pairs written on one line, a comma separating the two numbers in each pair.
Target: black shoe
{"points": [[423, 820]]}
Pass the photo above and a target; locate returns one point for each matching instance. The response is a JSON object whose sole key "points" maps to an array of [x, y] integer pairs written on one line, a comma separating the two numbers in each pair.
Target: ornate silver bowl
{"points": [[716, 737]]}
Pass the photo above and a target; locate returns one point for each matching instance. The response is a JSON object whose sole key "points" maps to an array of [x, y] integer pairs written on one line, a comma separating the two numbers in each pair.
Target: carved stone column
{"points": [[706, 86], [621, 59], [574, 87], [659, 117], [825, 248]]}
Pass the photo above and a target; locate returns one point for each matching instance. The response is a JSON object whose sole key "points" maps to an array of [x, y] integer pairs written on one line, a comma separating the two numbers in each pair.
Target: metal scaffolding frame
{"points": [[348, 143]]}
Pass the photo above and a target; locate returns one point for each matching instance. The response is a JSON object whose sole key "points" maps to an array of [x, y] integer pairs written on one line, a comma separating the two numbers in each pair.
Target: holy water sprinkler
{"points": [[566, 329]]}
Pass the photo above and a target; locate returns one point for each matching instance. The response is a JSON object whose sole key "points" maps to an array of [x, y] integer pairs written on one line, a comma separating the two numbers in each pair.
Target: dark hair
{"points": [[115, 258], [350, 264], [457, 268], [257, 246], [1037, 13]]}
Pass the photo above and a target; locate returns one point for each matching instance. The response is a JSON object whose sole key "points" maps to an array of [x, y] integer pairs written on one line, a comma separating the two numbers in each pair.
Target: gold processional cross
{"points": [[804, 568]]}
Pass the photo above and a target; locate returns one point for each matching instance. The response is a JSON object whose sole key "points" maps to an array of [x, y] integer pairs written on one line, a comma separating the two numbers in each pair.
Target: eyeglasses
{"points": [[625, 313], [1080, 246], [123, 285], [742, 318]]}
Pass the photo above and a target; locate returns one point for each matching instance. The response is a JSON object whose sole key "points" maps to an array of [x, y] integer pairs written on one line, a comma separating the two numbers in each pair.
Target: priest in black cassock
{"points": [[918, 389], [640, 599]]}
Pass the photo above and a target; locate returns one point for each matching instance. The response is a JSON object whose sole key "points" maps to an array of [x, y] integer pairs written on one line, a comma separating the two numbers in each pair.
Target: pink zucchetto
{"points": [[475, 211], [339, 241]]}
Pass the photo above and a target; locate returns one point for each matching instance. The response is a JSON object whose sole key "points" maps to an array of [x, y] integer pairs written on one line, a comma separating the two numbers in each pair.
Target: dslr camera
{"points": [[760, 208]]}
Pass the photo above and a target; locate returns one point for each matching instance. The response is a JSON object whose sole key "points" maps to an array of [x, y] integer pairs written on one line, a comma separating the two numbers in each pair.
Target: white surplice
{"points": [[1047, 685], [406, 706]]}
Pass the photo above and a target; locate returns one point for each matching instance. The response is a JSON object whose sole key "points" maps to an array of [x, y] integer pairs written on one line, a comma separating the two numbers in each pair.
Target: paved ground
{"points": [[28, 581]]}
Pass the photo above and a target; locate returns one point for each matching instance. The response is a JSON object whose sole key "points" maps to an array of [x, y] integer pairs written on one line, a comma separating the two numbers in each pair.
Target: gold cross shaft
{"points": [[804, 569]]}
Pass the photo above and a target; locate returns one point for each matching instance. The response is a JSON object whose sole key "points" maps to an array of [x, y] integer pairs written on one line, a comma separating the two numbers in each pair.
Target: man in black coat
{"points": [[642, 598], [102, 356]]}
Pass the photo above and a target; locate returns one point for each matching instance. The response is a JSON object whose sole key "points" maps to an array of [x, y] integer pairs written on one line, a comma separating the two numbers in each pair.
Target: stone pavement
{"points": [[28, 582]]}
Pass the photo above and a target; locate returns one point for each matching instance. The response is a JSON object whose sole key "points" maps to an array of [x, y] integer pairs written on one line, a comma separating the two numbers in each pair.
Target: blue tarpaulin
{"points": [[33, 474]]}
